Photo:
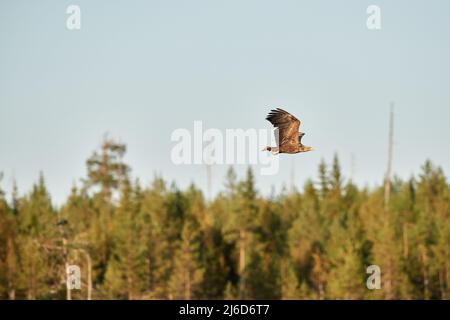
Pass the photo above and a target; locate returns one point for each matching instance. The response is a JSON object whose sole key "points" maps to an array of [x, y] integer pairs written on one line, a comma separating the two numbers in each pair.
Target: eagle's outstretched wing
{"points": [[287, 126]]}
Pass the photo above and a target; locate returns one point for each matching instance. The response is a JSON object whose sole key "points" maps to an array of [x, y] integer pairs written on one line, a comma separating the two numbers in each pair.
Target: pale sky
{"points": [[141, 69]]}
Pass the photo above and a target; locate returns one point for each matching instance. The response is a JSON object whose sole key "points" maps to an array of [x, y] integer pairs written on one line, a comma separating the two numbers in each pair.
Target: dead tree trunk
{"points": [[242, 240], [387, 180]]}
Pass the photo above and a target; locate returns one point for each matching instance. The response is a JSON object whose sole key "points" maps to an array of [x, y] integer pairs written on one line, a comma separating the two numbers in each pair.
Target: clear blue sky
{"points": [[140, 69]]}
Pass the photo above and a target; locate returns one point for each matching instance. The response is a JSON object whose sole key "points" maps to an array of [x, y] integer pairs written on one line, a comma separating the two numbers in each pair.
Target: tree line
{"points": [[160, 242]]}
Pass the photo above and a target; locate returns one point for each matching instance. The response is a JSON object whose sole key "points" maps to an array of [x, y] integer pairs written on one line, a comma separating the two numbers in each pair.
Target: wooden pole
{"points": [[208, 181], [387, 180], [242, 240], [293, 176], [66, 262], [89, 273], [352, 166]]}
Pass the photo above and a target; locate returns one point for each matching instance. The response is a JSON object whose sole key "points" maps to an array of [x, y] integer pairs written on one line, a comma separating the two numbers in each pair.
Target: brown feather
{"points": [[287, 126]]}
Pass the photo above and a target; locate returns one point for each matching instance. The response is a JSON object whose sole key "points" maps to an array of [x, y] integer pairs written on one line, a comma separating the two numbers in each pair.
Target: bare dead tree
{"points": [[387, 180], [209, 181]]}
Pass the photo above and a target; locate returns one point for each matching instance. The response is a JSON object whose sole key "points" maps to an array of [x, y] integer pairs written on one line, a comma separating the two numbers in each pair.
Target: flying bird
{"points": [[288, 137]]}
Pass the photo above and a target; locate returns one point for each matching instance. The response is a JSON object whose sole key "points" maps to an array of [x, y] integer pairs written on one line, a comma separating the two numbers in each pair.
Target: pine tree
{"points": [[37, 235], [431, 236], [187, 274], [106, 172], [8, 250], [106, 168], [159, 241], [127, 262]]}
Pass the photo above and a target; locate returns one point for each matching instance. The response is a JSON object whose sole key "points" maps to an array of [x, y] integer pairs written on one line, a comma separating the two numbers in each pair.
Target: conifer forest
{"points": [[137, 239]]}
